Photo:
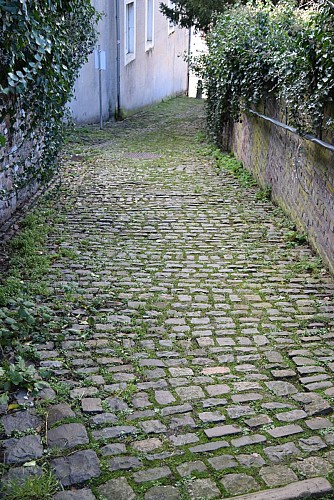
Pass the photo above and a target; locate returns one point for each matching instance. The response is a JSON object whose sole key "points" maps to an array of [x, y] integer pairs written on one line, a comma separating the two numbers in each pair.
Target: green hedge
{"points": [[43, 44], [260, 50]]}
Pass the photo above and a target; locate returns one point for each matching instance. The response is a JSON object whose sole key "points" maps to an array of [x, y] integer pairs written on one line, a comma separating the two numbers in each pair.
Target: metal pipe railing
{"points": [[308, 137]]}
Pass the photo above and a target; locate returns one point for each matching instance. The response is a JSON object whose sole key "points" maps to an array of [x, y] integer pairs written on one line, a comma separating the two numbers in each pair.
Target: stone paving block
{"points": [[248, 440], [223, 430], [317, 487], [83, 494], [217, 389], [187, 468], [190, 393], [313, 467], [58, 412], [277, 475], [153, 426], [182, 439], [285, 430], [203, 488], [250, 460], [20, 421], [152, 474], [208, 447], [21, 450], [67, 436], [118, 489], [147, 445], [281, 453], [236, 484], [281, 388], [76, 468], [222, 462], [124, 463], [163, 493], [113, 449]]}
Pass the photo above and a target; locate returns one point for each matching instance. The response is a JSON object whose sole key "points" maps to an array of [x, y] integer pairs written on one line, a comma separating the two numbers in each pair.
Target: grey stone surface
{"points": [[162, 493], [20, 421], [22, 449], [206, 317], [222, 430], [82, 494], [67, 436], [58, 412], [113, 449], [152, 474], [76, 468], [281, 453], [317, 487], [118, 489], [203, 488], [277, 475], [237, 484], [222, 462], [313, 467], [281, 388], [124, 462], [187, 468]]}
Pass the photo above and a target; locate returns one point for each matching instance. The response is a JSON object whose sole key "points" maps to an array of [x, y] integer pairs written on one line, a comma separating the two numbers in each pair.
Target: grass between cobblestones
{"points": [[170, 280]]}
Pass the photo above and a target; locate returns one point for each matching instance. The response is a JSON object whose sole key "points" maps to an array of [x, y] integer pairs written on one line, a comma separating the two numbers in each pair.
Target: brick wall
{"points": [[300, 173]]}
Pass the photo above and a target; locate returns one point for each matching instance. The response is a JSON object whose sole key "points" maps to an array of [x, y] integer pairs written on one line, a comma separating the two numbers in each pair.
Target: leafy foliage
{"points": [[19, 375], [198, 13], [258, 51], [42, 46], [23, 320]]}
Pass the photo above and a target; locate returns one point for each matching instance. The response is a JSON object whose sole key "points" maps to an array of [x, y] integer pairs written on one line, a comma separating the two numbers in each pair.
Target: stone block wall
{"points": [[21, 153], [300, 173]]}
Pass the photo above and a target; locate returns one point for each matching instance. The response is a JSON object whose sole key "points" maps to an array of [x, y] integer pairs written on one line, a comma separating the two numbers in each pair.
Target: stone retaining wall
{"points": [[300, 173], [21, 153]]}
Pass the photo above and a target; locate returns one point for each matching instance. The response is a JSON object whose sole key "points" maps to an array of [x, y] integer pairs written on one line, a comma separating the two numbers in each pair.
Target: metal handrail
{"points": [[308, 137]]}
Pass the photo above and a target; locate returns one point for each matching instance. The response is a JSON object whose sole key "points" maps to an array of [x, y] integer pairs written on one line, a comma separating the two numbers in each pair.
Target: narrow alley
{"points": [[195, 358]]}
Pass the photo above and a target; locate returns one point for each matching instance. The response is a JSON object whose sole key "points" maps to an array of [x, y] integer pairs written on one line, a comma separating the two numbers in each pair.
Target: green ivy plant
{"points": [[19, 375], [261, 50], [23, 321], [43, 44]]}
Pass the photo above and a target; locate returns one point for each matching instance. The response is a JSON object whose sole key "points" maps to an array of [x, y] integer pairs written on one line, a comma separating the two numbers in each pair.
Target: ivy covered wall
{"points": [[43, 44]]}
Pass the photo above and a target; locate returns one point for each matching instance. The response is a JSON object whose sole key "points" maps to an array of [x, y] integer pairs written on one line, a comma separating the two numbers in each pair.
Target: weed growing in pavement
{"points": [[35, 487]]}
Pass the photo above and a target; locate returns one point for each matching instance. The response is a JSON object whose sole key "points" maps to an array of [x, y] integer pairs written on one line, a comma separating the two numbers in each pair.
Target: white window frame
{"points": [[129, 24], [171, 24], [149, 24]]}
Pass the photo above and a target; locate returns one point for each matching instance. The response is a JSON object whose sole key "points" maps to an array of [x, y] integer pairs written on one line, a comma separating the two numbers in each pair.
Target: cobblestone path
{"points": [[199, 359]]}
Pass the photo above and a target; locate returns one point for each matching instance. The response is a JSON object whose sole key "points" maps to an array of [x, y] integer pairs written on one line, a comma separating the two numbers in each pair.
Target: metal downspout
{"points": [[118, 61]]}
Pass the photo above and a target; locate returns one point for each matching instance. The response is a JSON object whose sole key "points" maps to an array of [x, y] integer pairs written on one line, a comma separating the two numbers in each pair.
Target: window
{"points": [[171, 24], [130, 30], [149, 24]]}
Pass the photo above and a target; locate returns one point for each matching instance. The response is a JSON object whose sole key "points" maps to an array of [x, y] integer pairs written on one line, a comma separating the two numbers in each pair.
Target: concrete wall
{"points": [[300, 173], [85, 107], [158, 72], [151, 76]]}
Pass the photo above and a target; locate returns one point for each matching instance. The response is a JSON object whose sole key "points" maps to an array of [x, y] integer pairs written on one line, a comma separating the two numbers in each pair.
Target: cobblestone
{"points": [[198, 343]]}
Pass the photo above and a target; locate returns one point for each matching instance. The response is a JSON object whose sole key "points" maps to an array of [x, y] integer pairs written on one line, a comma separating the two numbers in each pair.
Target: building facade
{"points": [[143, 55]]}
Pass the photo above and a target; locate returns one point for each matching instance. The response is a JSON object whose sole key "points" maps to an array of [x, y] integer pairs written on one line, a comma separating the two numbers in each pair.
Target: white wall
{"points": [[85, 106], [150, 77], [158, 72]]}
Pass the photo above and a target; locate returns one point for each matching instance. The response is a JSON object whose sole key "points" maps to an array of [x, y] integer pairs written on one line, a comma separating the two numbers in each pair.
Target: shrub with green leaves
{"points": [[42, 46], [22, 321], [262, 50]]}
